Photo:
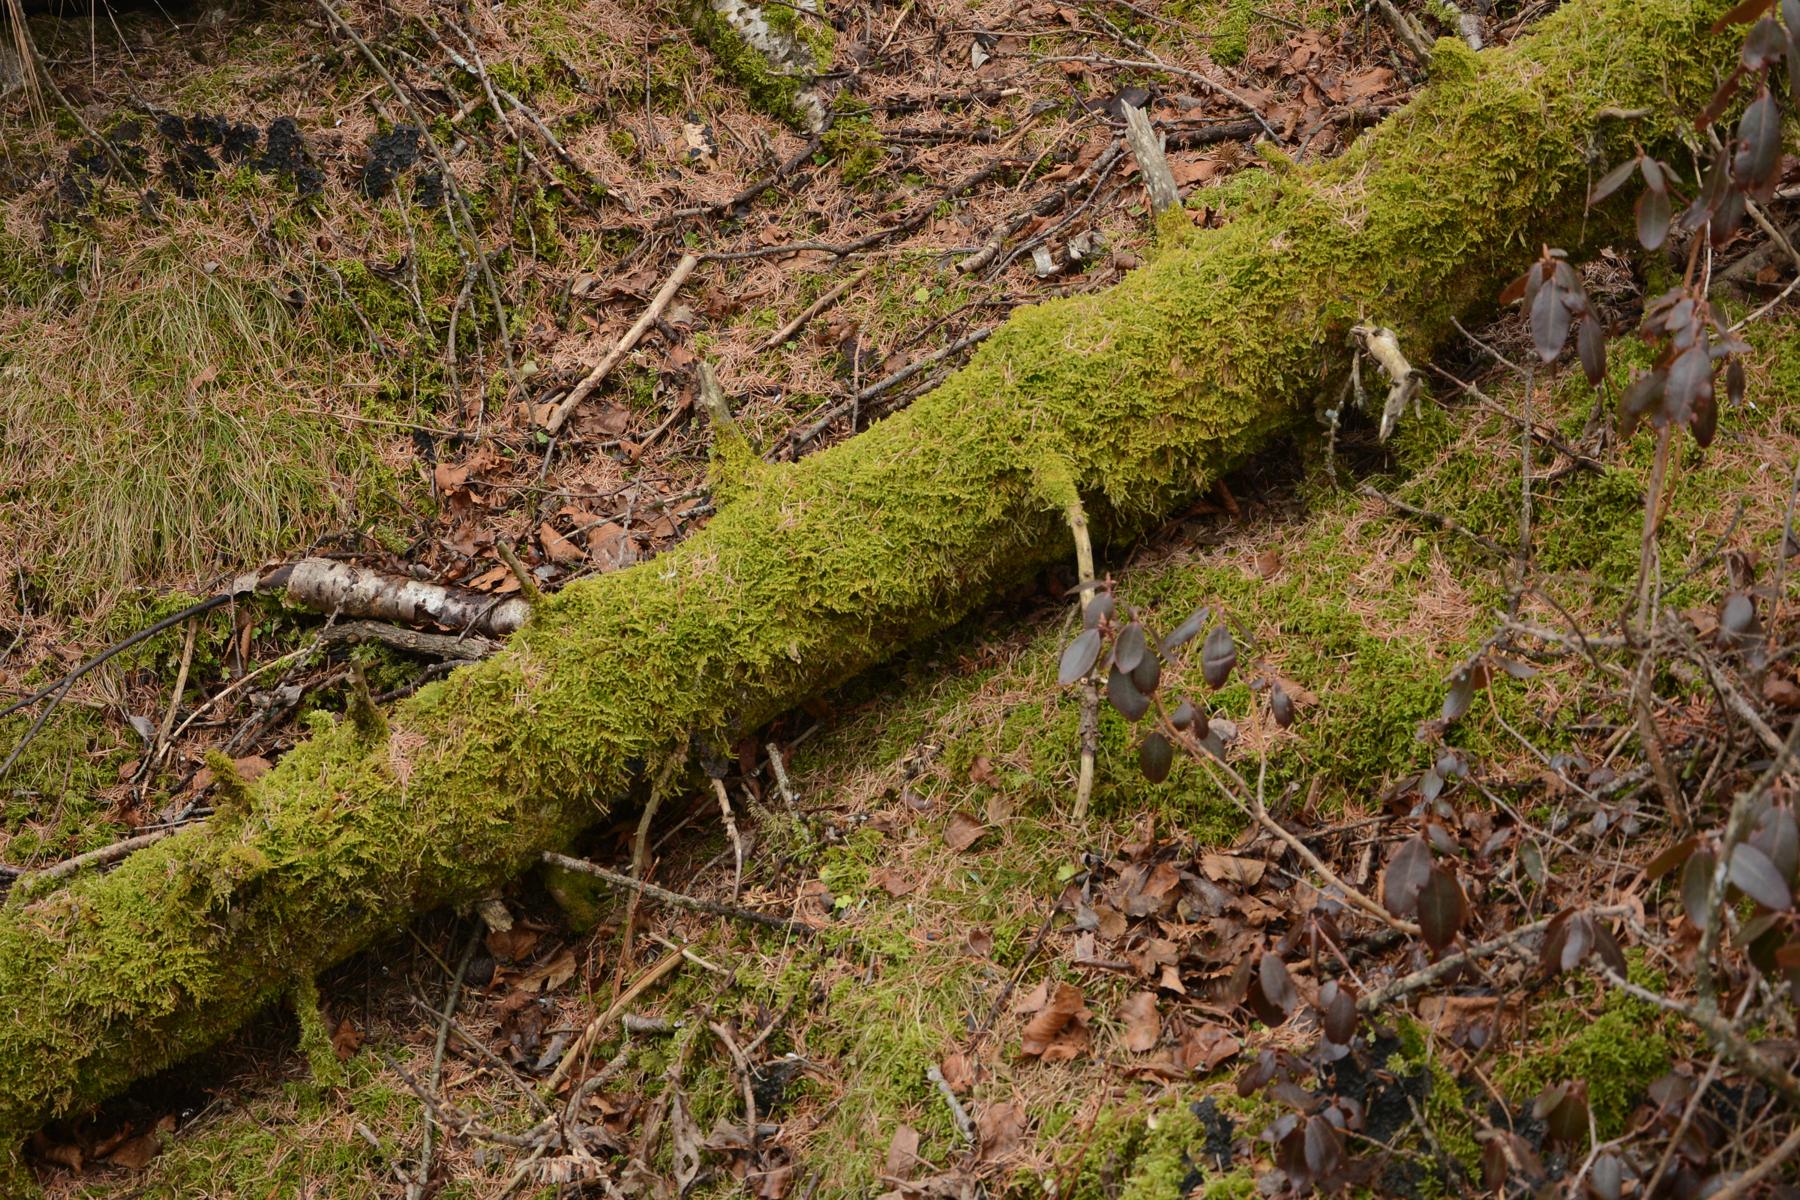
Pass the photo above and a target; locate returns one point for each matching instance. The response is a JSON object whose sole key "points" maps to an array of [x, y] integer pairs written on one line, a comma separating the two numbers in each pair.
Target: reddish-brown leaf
{"points": [[962, 831], [1405, 877], [1442, 908], [1143, 1025]]}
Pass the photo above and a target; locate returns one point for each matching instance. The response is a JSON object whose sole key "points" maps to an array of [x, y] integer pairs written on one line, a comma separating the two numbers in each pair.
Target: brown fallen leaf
{"points": [[610, 547], [999, 1129], [1059, 1031], [962, 831], [982, 771], [902, 1153], [552, 975], [893, 881], [559, 548], [1782, 693], [511, 945], [959, 1076], [1205, 1046], [1228, 868], [346, 1040], [1143, 1025], [136, 1153]]}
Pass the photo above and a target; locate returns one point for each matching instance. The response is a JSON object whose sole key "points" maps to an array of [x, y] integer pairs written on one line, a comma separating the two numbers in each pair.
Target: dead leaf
{"points": [[962, 831], [136, 1153], [958, 1075], [999, 1129], [450, 478], [893, 881], [1207, 1045], [346, 1040], [513, 944], [1782, 693], [1143, 1026], [552, 975], [1059, 1032], [982, 771], [499, 580], [560, 549], [1228, 868], [609, 546], [207, 375], [902, 1153], [1192, 171]]}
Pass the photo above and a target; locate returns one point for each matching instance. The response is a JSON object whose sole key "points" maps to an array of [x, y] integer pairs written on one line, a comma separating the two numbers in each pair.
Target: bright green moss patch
{"points": [[1620, 1052]]}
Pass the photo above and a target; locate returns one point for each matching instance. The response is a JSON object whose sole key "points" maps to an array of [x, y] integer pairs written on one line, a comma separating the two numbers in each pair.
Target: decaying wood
{"points": [[1153, 164], [1130, 402], [326, 586]]}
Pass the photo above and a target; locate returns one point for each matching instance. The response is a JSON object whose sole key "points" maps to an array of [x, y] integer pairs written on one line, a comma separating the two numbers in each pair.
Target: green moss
{"points": [[1619, 1052], [771, 90], [1231, 41], [855, 144]]}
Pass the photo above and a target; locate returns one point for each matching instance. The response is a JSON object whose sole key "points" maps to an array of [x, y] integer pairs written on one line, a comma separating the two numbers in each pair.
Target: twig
{"points": [[1103, 163], [1089, 735], [60, 687], [875, 389], [528, 587], [677, 899], [812, 310], [731, 831], [1725, 1036], [1252, 804], [181, 678], [958, 1113], [779, 769], [718, 408], [625, 344], [422, 1177], [1451, 963], [1435, 519], [1744, 808], [1743, 1184], [744, 1074], [627, 998], [104, 856], [1101, 60], [1407, 32], [459, 647]]}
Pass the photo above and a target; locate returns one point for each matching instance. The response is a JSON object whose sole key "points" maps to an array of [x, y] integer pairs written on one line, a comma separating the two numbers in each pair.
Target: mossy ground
{"points": [[1366, 611], [1359, 608]]}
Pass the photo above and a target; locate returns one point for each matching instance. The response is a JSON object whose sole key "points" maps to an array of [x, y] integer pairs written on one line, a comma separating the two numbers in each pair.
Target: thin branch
{"points": [[677, 899]]}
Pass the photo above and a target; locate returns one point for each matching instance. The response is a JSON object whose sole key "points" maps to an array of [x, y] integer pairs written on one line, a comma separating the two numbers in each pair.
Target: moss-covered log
{"points": [[1130, 400]]}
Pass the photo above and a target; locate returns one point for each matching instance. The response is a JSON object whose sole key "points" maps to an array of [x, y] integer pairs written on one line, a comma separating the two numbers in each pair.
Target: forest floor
{"points": [[258, 299]]}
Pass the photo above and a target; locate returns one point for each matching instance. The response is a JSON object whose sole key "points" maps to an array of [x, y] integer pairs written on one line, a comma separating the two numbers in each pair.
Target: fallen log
{"points": [[1123, 404]]}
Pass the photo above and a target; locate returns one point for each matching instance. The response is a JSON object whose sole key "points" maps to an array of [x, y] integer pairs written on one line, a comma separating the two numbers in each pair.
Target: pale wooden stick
{"points": [[598, 375], [1152, 163], [812, 310]]}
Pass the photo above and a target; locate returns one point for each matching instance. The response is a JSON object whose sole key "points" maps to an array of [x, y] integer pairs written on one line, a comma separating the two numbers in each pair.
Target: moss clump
{"points": [[855, 143], [1231, 41], [773, 90], [1620, 1053]]}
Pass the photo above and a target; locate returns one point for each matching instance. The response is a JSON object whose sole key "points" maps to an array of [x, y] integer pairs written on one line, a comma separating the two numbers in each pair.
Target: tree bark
{"points": [[1128, 402]]}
